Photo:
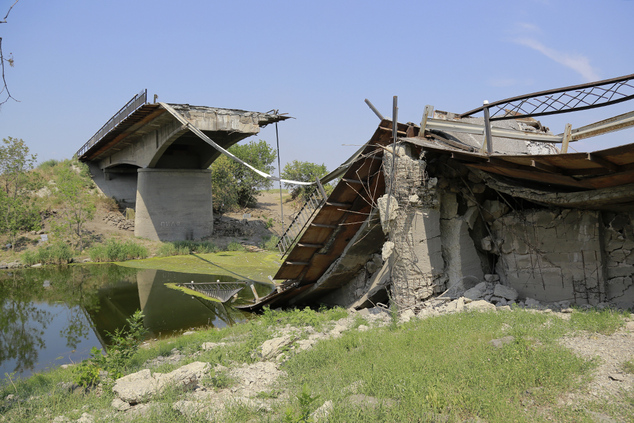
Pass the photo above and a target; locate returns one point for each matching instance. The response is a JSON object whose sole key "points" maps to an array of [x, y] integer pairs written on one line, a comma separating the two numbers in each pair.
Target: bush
{"points": [[124, 344], [179, 248], [114, 250], [270, 243], [235, 246], [57, 253]]}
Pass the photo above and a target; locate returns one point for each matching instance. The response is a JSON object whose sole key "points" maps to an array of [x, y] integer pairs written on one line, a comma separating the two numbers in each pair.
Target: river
{"points": [[55, 315]]}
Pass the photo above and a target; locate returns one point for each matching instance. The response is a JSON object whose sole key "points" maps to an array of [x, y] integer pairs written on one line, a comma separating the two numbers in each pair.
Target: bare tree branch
{"points": [[4, 92], [9, 11]]}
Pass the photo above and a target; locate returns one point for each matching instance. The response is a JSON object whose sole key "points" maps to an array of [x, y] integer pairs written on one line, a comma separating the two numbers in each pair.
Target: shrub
{"points": [[235, 246], [57, 253], [270, 243], [178, 248], [124, 344], [114, 250]]}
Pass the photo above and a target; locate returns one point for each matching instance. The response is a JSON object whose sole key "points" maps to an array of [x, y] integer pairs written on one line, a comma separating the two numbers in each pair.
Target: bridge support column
{"points": [[173, 204]]}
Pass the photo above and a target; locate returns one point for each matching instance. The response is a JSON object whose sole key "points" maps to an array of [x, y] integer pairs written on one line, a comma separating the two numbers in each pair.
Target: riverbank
{"points": [[486, 366]]}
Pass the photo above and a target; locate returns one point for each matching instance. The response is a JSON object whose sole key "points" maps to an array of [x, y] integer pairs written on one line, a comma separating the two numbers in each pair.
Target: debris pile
{"points": [[117, 219]]}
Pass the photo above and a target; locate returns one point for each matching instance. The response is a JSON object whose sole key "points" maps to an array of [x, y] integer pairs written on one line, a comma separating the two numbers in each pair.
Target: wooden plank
{"points": [[605, 163], [321, 225], [531, 175], [545, 167]]}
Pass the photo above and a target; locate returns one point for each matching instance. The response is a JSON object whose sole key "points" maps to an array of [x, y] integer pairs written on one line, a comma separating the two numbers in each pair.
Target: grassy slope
{"points": [[256, 266]]}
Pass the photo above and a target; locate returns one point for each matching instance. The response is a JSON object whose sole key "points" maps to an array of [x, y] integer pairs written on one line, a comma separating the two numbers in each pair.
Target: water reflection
{"points": [[54, 316]]}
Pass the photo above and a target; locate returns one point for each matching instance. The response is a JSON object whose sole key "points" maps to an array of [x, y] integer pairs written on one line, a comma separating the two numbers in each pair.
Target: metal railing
{"points": [[561, 100], [301, 220], [222, 291], [137, 101]]}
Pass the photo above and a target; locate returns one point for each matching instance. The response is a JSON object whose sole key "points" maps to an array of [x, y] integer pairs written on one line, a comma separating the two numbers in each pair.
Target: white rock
{"points": [[272, 347], [480, 305], [86, 418], [135, 387], [211, 345], [406, 316], [141, 386], [322, 412], [186, 377], [120, 405]]}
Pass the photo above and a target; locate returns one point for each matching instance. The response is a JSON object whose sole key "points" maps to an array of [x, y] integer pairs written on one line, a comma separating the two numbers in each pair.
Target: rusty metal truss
{"points": [[561, 100]]}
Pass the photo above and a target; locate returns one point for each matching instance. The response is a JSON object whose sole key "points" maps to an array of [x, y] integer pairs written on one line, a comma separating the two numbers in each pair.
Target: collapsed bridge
{"points": [[438, 208], [155, 157]]}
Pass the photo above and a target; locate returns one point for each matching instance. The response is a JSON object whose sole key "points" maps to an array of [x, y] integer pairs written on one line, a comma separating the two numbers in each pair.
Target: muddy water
{"points": [[54, 316]]}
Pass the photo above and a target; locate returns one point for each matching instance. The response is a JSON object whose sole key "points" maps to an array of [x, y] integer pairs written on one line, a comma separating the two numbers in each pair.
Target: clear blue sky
{"points": [[77, 62]]}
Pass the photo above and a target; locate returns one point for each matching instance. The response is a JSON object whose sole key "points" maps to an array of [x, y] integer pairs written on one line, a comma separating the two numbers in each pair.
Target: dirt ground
{"points": [[249, 226]]}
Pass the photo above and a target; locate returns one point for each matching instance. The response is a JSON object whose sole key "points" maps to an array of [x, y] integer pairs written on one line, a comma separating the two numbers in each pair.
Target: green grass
{"points": [[446, 367], [256, 266], [438, 369]]}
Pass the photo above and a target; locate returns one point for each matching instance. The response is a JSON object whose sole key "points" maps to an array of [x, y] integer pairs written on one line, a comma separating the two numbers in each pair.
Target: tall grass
{"points": [[270, 243], [178, 248], [57, 253], [114, 250]]}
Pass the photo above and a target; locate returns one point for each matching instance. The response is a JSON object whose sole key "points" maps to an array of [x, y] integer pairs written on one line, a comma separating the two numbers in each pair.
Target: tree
{"points": [[78, 206], [233, 184], [303, 172], [18, 209]]}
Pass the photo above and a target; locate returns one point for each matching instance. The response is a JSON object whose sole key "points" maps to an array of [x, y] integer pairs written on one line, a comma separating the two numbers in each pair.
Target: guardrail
{"points": [[137, 101], [301, 220]]}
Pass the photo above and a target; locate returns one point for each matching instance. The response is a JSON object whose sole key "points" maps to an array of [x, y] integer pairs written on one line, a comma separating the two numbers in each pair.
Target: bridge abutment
{"points": [[173, 204]]}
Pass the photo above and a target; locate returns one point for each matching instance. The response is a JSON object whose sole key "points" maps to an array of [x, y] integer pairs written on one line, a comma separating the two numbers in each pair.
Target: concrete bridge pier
{"points": [[173, 204]]}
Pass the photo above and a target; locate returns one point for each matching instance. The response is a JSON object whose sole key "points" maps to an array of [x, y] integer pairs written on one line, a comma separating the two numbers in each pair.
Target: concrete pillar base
{"points": [[173, 204]]}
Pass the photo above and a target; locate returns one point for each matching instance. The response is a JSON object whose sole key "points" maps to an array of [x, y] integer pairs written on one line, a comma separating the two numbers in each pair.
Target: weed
{"points": [[269, 223], [270, 243], [235, 246], [114, 250], [125, 343], [221, 380], [628, 366], [305, 402], [187, 247], [57, 253]]}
